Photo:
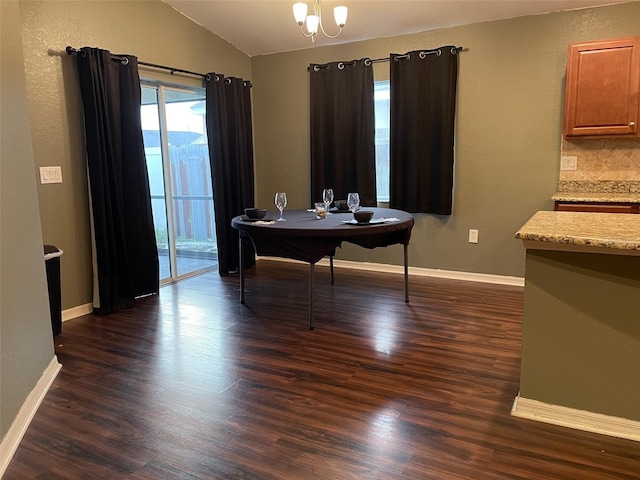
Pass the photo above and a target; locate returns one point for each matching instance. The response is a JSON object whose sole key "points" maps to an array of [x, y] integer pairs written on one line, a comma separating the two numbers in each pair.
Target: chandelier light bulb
{"points": [[312, 24], [300, 12], [340, 15]]}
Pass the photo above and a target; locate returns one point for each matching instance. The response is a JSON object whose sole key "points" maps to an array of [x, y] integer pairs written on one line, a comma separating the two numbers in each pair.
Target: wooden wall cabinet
{"points": [[597, 207], [603, 84]]}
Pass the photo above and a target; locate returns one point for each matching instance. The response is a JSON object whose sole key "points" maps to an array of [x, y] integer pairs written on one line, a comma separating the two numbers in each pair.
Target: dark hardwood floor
{"points": [[192, 385]]}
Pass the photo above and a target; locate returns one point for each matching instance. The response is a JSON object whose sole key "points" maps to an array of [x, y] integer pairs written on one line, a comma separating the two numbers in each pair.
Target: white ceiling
{"points": [[259, 27]]}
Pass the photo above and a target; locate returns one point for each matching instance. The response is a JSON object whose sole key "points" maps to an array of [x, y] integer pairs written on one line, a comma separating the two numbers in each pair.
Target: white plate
{"points": [[370, 222]]}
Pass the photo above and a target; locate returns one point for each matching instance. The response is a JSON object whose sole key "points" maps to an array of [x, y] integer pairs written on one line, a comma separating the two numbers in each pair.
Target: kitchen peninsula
{"points": [[581, 324]]}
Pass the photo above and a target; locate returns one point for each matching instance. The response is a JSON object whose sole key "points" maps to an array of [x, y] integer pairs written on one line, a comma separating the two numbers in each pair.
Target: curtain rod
{"points": [[454, 50], [72, 51], [368, 61]]}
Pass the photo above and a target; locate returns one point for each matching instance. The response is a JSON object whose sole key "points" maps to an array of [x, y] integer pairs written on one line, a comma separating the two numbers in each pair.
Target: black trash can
{"points": [[52, 261]]}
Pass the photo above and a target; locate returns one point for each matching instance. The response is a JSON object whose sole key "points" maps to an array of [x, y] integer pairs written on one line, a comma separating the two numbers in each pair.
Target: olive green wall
{"points": [[509, 124], [26, 346], [580, 332], [150, 30]]}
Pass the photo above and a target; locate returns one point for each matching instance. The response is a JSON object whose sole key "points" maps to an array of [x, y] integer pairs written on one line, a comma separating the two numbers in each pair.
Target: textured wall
{"points": [[150, 30], [508, 137], [26, 346], [580, 334]]}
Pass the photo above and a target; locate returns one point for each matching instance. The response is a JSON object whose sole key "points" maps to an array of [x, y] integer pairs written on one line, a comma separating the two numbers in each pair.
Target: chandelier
{"points": [[313, 21]]}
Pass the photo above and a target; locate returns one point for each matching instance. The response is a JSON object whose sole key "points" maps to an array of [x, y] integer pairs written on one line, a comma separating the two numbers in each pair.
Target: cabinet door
{"points": [[603, 81]]}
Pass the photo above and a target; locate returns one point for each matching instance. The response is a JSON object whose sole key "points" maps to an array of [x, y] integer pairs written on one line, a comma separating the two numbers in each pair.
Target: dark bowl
{"points": [[363, 216], [341, 205], [255, 213]]}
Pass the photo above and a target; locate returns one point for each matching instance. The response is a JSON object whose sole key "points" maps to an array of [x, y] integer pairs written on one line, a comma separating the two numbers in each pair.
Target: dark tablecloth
{"points": [[303, 237]]}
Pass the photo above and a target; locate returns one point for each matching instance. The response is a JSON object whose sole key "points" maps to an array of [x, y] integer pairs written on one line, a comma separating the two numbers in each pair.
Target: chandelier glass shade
{"points": [[313, 21]]}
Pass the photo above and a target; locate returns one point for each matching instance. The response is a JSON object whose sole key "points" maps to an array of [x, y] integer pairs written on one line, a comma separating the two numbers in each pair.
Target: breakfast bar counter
{"points": [[580, 363], [582, 232]]}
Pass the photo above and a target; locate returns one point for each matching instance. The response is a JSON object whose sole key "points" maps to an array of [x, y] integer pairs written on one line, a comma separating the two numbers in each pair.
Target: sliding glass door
{"points": [[175, 141]]}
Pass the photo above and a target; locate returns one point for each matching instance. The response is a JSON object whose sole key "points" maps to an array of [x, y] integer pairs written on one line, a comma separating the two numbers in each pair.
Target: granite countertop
{"points": [[606, 191], [596, 197], [614, 233]]}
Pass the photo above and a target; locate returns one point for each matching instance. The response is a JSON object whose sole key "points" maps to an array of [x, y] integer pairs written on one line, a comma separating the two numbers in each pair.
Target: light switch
{"points": [[568, 163], [50, 174]]}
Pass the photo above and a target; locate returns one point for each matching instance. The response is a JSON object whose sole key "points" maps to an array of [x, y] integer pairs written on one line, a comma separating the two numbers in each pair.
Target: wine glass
{"points": [[281, 203], [353, 201], [327, 198]]}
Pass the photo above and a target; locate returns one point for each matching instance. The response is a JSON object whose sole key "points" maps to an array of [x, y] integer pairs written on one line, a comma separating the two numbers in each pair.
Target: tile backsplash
{"points": [[608, 165], [603, 160]]}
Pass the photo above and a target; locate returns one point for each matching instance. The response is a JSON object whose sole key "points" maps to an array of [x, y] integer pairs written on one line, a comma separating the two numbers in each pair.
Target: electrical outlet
{"points": [[50, 175], [568, 163], [473, 235]]}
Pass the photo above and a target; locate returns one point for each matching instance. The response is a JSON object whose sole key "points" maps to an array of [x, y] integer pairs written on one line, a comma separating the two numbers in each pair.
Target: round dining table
{"points": [[302, 236]]}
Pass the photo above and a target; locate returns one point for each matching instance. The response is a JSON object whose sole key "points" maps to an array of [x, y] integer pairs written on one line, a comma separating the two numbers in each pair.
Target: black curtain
{"points": [[422, 116], [230, 135], [126, 256], [343, 130]]}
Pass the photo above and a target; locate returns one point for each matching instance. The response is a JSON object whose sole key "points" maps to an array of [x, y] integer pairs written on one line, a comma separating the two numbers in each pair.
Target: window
{"points": [[381, 106]]}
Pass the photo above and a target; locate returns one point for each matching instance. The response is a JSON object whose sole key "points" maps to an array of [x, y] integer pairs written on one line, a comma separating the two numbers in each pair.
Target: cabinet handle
{"points": [[632, 124]]}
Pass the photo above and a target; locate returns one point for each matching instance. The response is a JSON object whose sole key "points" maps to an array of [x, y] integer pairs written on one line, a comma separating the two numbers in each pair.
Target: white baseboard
{"points": [[12, 439], [75, 312], [419, 271], [578, 419]]}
